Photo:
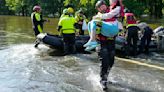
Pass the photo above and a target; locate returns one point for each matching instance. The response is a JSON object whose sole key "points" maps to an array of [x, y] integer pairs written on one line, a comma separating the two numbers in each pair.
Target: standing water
{"points": [[24, 68]]}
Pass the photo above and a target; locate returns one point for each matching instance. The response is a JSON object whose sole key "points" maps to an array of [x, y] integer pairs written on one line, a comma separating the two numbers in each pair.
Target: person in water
{"points": [[109, 27], [147, 33], [80, 18], [37, 22], [64, 13], [103, 22], [66, 26], [130, 24]]}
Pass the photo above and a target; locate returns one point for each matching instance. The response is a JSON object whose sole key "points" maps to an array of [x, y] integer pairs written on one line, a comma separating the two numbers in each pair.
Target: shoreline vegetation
{"points": [[53, 8], [153, 22]]}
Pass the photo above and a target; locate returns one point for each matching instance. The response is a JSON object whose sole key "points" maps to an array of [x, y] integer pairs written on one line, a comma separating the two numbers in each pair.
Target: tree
{"points": [[140, 7], [135, 6], [87, 5], [15, 5], [24, 7], [3, 8]]}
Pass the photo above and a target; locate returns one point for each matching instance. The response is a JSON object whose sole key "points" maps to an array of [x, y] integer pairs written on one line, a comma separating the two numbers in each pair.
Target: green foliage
{"points": [[53, 7], [135, 6], [139, 7], [3, 8]]}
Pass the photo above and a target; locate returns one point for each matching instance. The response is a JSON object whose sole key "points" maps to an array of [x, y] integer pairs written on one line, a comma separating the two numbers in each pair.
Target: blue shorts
{"points": [[108, 29]]}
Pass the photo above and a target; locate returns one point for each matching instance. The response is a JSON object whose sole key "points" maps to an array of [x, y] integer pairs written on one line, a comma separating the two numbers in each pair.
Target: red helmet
{"points": [[37, 7]]}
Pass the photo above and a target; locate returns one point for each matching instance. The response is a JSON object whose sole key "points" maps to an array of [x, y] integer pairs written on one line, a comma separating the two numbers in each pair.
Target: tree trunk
{"points": [[23, 11], [158, 9]]}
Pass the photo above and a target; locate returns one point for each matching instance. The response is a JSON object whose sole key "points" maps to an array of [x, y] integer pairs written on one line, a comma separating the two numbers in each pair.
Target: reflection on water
{"points": [[14, 30], [24, 68]]}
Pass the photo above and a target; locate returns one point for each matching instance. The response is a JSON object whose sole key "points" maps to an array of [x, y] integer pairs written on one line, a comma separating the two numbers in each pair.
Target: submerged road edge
{"points": [[140, 63]]}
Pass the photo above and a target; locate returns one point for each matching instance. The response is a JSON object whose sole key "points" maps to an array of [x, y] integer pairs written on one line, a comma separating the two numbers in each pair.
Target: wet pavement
{"points": [[24, 68]]}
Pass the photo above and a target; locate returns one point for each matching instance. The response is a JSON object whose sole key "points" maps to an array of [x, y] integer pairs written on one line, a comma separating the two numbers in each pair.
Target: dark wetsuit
{"points": [[146, 39], [37, 22], [107, 52], [67, 27], [106, 56], [132, 39]]}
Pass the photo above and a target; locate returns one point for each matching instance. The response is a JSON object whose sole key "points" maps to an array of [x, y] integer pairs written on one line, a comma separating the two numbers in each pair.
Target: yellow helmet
{"points": [[70, 10]]}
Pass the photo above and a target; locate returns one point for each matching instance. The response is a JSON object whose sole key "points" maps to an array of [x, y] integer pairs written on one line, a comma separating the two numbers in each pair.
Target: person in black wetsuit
{"points": [[107, 44], [37, 22], [145, 39]]}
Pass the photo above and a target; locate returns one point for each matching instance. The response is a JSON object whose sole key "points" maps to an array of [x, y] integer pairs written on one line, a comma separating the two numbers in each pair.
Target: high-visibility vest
{"points": [[129, 20], [67, 23], [130, 25], [37, 21]]}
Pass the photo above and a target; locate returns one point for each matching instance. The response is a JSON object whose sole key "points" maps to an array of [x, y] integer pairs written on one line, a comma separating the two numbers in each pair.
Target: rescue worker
{"points": [[80, 17], [132, 33], [37, 20], [64, 13], [107, 44], [67, 27], [146, 38]]}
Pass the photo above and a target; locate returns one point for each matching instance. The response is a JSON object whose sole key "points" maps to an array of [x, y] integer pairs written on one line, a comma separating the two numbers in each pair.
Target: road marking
{"points": [[140, 63]]}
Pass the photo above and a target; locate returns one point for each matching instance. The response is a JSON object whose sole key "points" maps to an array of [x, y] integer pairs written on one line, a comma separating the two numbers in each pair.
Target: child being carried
{"points": [[107, 29]]}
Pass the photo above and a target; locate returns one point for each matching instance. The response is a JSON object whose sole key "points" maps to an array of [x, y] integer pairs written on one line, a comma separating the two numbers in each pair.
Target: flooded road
{"points": [[24, 68]]}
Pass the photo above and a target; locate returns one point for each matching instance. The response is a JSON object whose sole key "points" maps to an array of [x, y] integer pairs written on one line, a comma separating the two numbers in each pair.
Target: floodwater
{"points": [[24, 68]]}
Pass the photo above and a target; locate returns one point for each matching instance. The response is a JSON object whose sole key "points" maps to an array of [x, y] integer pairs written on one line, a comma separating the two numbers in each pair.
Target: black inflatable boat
{"points": [[55, 42]]}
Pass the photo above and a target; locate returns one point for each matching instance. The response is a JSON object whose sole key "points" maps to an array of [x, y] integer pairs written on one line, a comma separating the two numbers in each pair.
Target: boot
{"points": [[104, 82], [37, 42]]}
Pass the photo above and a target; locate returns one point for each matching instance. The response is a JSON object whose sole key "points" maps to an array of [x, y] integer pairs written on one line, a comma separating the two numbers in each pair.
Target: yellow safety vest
{"points": [[37, 16], [67, 23], [129, 25]]}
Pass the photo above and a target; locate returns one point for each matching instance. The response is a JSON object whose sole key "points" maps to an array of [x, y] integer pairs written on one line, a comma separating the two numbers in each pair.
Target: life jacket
{"points": [[67, 23], [100, 36], [111, 8], [37, 21], [129, 20], [111, 19]]}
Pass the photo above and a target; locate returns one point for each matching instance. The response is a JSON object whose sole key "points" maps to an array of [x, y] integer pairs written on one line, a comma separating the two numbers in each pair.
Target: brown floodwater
{"points": [[24, 68]]}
